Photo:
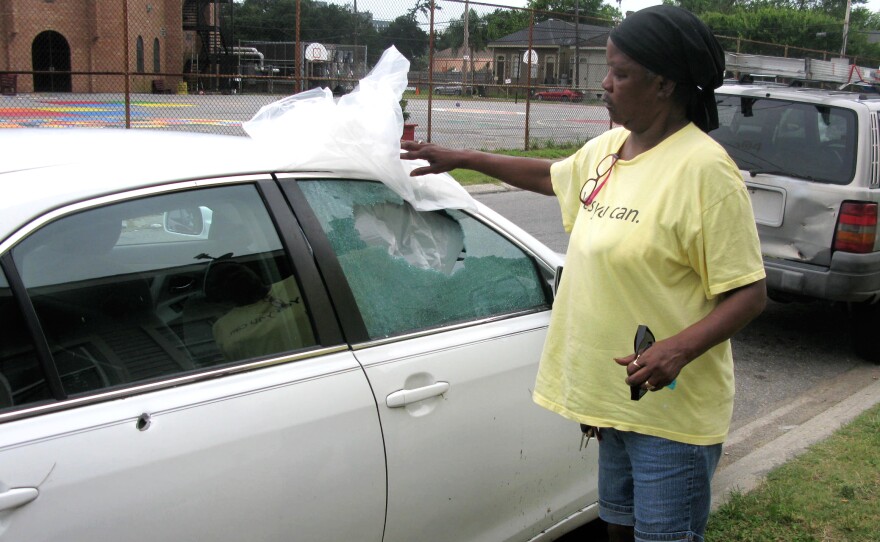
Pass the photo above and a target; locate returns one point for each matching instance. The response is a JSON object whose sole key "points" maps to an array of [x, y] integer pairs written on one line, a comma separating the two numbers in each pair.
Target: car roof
{"points": [[44, 169], [803, 94]]}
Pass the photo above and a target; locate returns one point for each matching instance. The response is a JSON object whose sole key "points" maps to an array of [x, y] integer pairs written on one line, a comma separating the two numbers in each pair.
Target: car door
{"points": [[454, 317], [168, 382]]}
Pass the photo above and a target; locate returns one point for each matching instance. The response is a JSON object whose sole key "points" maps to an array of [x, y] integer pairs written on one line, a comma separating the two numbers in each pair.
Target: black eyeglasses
{"points": [[592, 186], [644, 340]]}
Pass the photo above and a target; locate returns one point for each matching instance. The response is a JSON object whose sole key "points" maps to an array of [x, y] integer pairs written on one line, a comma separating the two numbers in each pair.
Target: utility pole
{"points": [[577, 43], [845, 28], [466, 47], [297, 52], [354, 53]]}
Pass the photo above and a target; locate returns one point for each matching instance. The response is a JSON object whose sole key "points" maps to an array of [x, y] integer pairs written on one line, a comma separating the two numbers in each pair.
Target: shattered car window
{"points": [[412, 270]]}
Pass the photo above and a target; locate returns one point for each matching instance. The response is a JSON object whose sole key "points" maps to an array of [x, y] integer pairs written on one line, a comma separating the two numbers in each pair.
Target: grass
{"points": [[829, 494], [549, 151]]}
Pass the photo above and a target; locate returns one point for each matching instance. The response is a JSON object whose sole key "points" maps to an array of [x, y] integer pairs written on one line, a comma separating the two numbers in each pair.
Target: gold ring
{"points": [[649, 386]]}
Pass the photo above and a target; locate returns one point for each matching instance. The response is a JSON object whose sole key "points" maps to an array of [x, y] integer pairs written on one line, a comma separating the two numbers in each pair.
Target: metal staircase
{"points": [[213, 55]]}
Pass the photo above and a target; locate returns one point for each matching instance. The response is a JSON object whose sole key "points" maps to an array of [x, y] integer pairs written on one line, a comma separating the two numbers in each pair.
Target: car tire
{"points": [[865, 319], [540, 98], [566, 99]]}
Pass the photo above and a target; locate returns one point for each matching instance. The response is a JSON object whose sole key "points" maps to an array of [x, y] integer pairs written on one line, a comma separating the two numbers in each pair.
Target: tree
{"points": [[275, 20], [503, 22], [783, 26], [453, 36], [591, 11], [423, 7], [407, 36], [812, 25], [269, 20]]}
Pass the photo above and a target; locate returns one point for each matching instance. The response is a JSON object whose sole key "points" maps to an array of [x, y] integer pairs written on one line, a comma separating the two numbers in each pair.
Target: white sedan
{"points": [[196, 347]]}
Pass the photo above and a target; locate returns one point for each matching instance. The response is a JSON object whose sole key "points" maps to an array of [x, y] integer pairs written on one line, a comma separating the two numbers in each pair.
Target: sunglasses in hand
{"points": [[644, 339]]}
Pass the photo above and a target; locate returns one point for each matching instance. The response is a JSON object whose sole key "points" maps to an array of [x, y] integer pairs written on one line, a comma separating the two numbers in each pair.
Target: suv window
{"points": [[129, 292], [411, 270], [22, 381], [807, 141]]}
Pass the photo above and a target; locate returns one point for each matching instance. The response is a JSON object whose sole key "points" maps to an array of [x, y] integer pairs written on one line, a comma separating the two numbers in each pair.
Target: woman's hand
{"points": [[440, 158], [656, 367]]}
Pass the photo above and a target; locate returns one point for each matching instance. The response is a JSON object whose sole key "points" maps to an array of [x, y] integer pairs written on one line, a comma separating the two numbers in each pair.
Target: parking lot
{"points": [[464, 123]]}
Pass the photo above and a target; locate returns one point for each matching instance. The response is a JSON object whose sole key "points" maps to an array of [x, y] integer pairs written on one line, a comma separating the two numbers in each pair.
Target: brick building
{"points": [[80, 45]]}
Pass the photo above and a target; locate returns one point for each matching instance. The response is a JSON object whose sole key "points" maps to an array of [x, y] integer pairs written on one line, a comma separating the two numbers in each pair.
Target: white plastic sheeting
{"points": [[359, 132], [425, 240]]}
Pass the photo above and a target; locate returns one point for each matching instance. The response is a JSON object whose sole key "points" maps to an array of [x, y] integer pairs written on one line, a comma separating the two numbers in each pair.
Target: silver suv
{"points": [[811, 160]]}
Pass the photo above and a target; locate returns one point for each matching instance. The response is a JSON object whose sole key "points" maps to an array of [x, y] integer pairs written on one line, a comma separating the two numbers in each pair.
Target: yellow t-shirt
{"points": [[670, 230]]}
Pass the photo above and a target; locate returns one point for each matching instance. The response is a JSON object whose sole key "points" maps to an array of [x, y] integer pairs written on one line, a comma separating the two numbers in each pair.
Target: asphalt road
{"points": [[471, 123], [492, 124]]}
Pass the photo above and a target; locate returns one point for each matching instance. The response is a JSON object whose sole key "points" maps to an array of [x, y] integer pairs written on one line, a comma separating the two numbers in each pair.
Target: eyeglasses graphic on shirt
{"points": [[644, 339], [593, 185]]}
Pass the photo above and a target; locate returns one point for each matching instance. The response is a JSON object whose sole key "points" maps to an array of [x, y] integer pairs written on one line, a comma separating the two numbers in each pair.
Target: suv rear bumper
{"points": [[851, 277]]}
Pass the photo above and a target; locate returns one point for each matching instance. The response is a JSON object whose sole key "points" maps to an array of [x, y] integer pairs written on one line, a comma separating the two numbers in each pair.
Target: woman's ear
{"points": [[666, 87]]}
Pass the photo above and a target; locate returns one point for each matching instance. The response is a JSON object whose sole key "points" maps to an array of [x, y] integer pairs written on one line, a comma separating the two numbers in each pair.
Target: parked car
{"points": [[197, 347], [564, 94], [454, 90], [810, 160]]}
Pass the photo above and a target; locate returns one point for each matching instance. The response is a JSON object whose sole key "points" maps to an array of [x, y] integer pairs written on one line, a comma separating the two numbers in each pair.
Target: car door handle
{"points": [[401, 398], [16, 497]]}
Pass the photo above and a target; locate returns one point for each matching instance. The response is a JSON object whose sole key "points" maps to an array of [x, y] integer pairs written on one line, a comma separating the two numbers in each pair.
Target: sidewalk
{"points": [[488, 188], [756, 448]]}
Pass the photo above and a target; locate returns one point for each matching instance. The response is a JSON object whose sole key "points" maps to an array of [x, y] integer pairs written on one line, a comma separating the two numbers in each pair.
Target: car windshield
{"points": [[781, 137]]}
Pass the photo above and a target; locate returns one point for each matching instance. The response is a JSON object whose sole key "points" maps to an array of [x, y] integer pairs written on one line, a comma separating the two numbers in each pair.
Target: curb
{"points": [[489, 188], [848, 396]]}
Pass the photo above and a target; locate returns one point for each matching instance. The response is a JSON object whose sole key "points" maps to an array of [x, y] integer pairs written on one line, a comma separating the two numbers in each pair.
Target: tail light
{"points": [[856, 228]]}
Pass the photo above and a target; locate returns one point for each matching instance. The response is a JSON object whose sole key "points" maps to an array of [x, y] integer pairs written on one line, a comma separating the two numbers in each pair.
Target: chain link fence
{"points": [[510, 78]]}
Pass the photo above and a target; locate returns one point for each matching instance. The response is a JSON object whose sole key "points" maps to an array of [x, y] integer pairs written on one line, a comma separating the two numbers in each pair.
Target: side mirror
{"points": [[187, 221]]}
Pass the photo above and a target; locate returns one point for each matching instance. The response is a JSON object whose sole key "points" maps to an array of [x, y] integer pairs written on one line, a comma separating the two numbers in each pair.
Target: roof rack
{"points": [[837, 70]]}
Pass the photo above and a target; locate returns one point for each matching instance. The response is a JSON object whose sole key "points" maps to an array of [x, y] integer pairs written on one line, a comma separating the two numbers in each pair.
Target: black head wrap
{"points": [[674, 43]]}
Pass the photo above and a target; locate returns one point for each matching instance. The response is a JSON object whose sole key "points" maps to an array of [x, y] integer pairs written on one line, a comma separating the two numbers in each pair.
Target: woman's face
{"points": [[631, 91]]}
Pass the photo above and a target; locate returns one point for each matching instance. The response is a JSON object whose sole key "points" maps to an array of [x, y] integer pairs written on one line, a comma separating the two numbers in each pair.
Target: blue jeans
{"points": [[658, 486]]}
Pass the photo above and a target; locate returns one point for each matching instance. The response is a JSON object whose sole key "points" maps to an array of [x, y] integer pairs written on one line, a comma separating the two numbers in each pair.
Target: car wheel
{"points": [[865, 318], [540, 98], [566, 99]]}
